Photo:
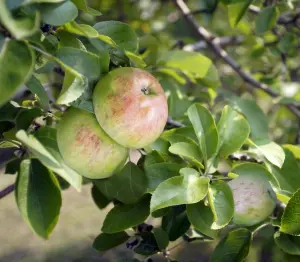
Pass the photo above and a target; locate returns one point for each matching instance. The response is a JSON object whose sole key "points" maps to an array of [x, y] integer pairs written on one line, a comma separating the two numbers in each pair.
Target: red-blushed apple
{"points": [[86, 148], [131, 107], [254, 199]]}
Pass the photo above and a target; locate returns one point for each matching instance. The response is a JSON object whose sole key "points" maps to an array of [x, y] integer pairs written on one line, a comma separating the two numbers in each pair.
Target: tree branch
{"points": [[219, 51], [6, 191], [222, 41]]}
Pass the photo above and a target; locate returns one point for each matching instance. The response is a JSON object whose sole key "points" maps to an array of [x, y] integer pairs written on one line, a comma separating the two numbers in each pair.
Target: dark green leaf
{"points": [[83, 5], [153, 157], [122, 34], [255, 116], [161, 237], [38, 197], [205, 129], [176, 222], [157, 173], [59, 13], [237, 10], [221, 202], [35, 86], [12, 167], [266, 19], [234, 247], [127, 186], [233, 131], [25, 117], [291, 215], [100, 200], [85, 63], [287, 243], [17, 64], [105, 241], [83, 104], [147, 245], [122, 217], [182, 131], [202, 218], [288, 175]]}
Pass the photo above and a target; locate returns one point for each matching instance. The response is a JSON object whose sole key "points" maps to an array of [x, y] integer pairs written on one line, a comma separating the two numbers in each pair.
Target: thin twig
{"points": [[174, 123], [219, 51], [6, 191]]}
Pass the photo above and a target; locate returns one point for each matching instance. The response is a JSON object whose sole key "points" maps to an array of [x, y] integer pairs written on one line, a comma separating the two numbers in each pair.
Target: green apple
{"points": [[86, 148], [254, 199], [131, 107]]}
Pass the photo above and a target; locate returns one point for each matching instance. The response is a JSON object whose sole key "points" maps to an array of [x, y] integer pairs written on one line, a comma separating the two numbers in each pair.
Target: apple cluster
{"points": [[130, 111]]}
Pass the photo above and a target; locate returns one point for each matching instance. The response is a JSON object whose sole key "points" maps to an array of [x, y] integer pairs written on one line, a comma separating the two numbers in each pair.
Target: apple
{"points": [[86, 148], [131, 107], [254, 199]]}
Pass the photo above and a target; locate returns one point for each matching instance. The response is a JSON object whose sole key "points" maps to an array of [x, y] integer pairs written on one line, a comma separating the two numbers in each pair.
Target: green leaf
{"points": [[122, 34], [287, 243], [291, 215], [234, 247], [255, 116], [100, 200], [205, 129], [85, 63], [233, 131], [153, 157], [253, 169], [59, 13], [122, 217], [81, 29], [187, 132], [17, 64], [83, 5], [190, 63], [202, 218], [7, 144], [188, 151], [148, 245], [44, 147], [176, 222], [294, 149], [268, 149], [237, 10], [127, 186], [188, 188], [73, 87], [221, 203], [35, 86], [136, 59], [83, 104], [157, 173], [288, 175], [25, 117], [105, 241], [161, 237], [20, 27], [38, 197], [266, 19]]}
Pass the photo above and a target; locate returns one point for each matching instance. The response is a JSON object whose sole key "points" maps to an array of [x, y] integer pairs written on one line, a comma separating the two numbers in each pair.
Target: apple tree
{"points": [[205, 93]]}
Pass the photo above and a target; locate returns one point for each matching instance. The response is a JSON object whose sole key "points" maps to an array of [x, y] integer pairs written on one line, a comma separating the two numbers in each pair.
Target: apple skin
{"points": [[131, 107], [254, 199], [86, 148]]}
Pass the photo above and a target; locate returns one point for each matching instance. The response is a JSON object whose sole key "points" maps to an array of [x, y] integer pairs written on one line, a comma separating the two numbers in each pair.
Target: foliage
{"points": [[53, 53]]}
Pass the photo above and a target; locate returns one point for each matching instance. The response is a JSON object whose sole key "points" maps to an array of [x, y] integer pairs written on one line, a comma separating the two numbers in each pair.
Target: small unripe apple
{"points": [[254, 199], [131, 107], [86, 148]]}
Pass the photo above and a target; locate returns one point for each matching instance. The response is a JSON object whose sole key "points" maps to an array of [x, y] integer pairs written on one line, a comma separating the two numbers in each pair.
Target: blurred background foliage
{"points": [[271, 56]]}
